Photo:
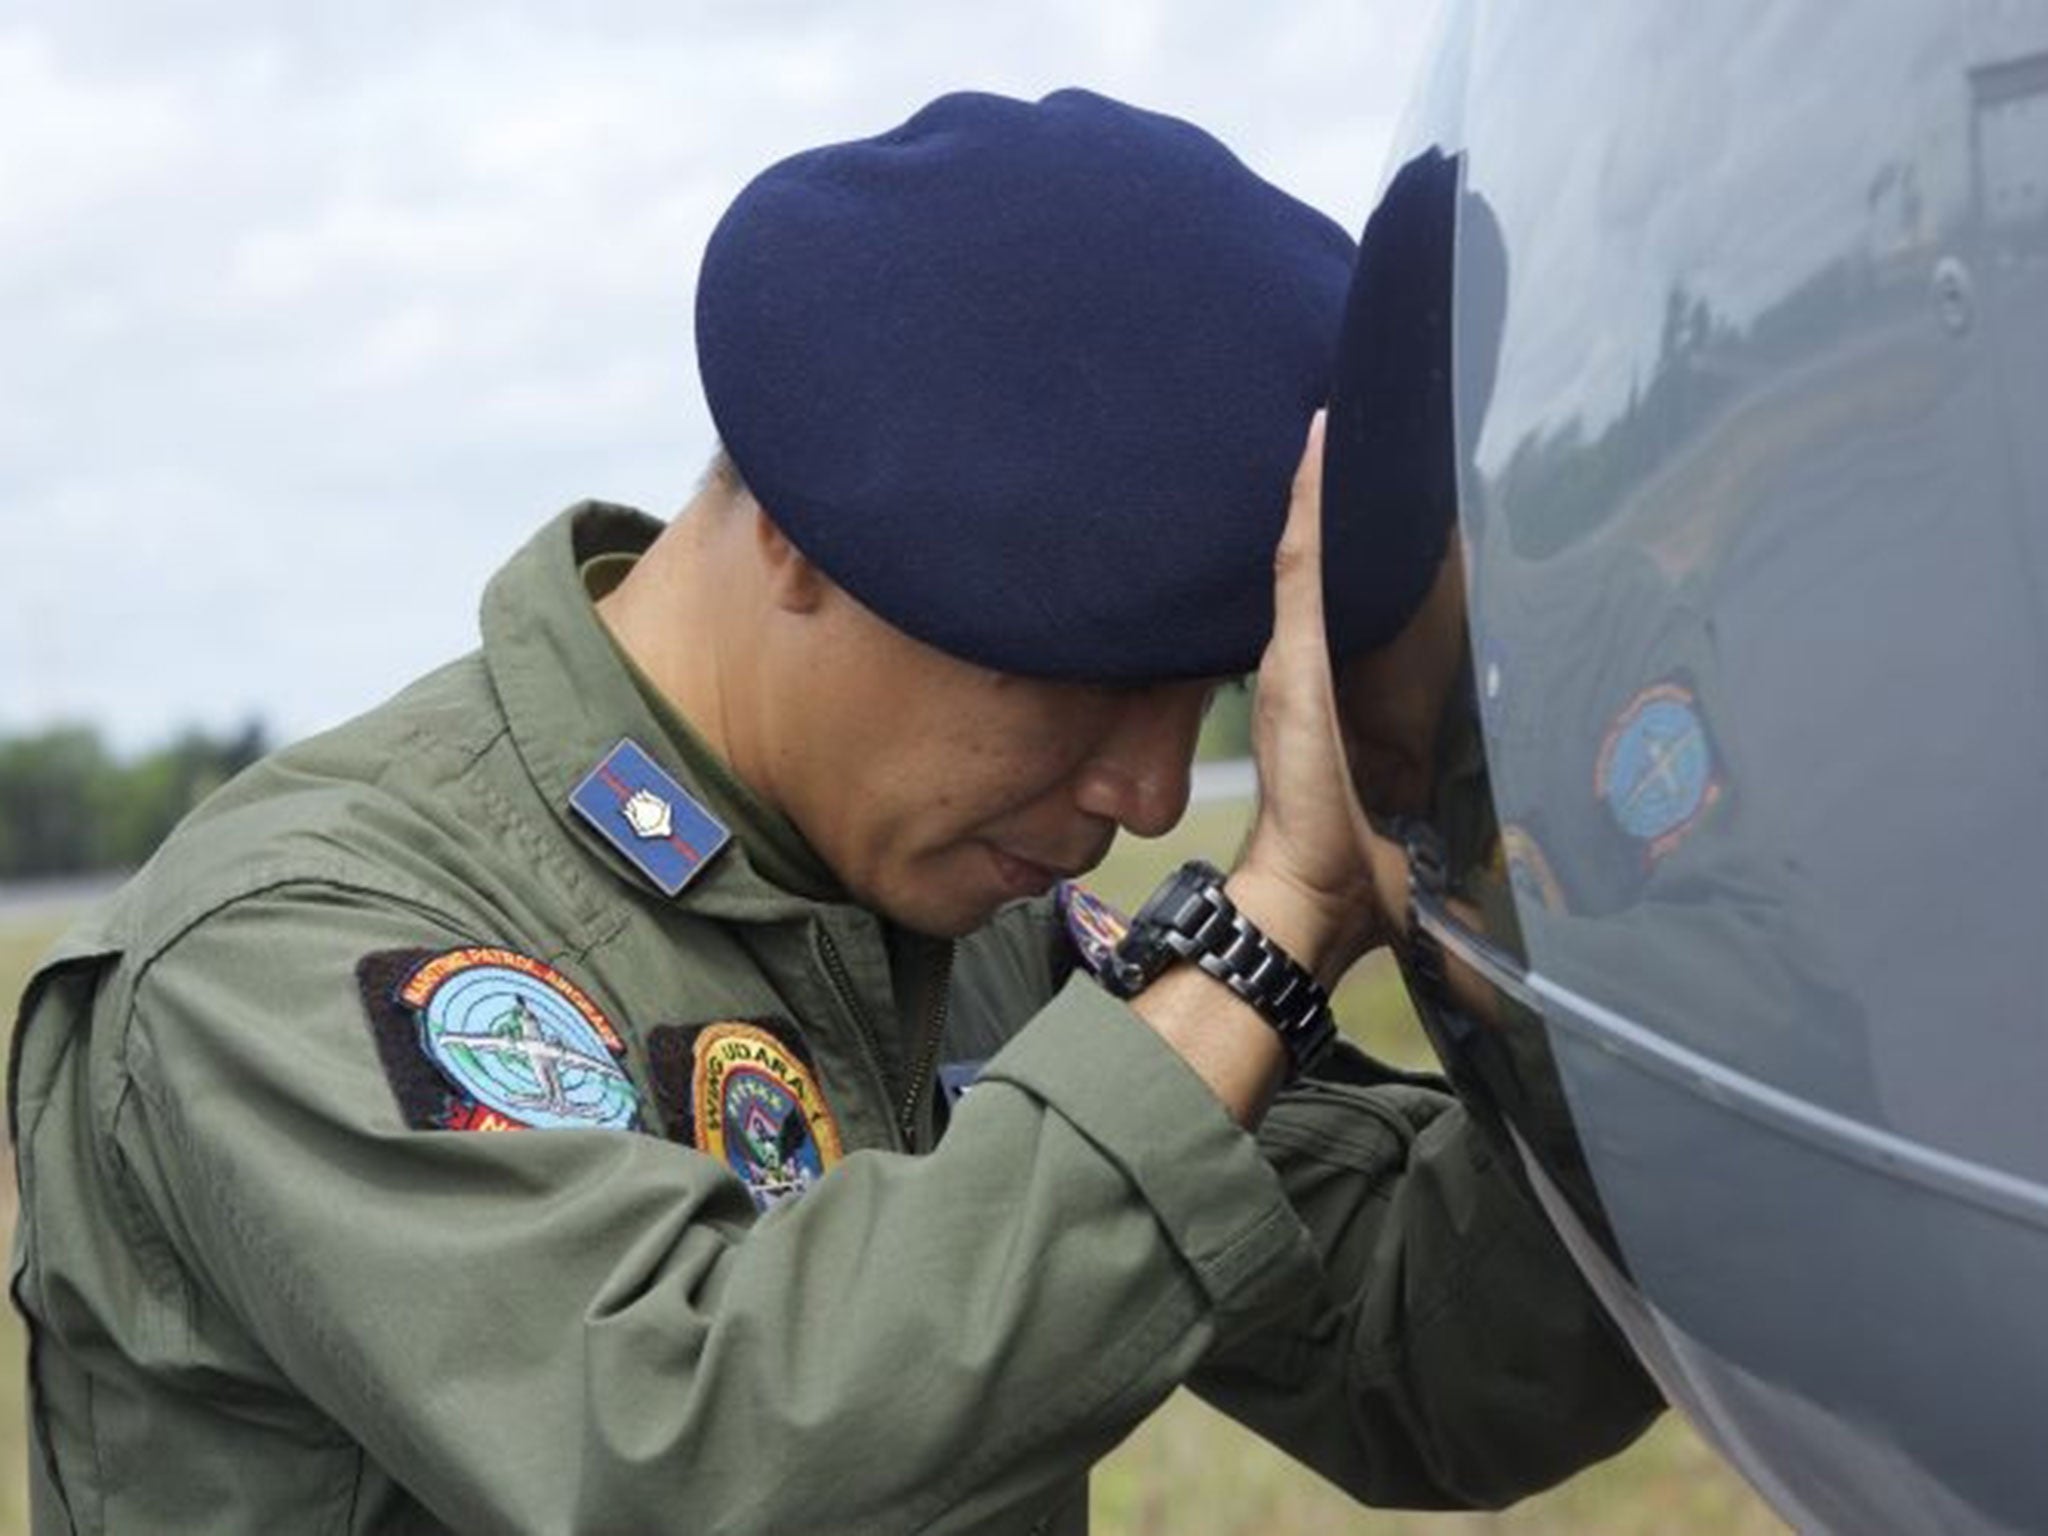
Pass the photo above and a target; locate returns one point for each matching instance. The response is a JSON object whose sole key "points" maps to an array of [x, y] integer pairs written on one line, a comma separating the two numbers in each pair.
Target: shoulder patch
{"points": [[747, 1093], [640, 809], [1094, 927], [482, 1038], [1656, 772]]}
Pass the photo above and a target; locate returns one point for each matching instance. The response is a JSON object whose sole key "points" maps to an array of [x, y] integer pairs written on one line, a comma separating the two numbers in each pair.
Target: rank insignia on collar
{"points": [[1656, 772], [1094, 927], [659, 827], [487, 1039], [747, 1093]]}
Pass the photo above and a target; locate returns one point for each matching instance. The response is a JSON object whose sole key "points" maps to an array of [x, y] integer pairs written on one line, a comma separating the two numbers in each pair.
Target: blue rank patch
{"points": [[1094, 927], [1656, 772], [644, 813]]}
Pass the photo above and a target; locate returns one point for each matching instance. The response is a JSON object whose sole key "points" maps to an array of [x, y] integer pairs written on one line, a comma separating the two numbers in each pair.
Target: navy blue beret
{"points": [[1389, 458], [1029, 380]]}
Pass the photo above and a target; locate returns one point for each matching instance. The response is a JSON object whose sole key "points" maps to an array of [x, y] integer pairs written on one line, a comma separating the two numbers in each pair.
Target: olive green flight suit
{"points": [[264, 1296]]}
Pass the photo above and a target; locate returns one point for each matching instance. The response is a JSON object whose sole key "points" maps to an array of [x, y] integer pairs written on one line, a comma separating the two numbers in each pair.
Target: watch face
{"points": [[1166, 904], [1145, 951]]}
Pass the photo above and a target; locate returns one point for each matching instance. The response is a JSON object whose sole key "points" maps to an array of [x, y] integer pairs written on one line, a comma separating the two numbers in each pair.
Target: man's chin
{"points": [[935, 913], [952, 919]]}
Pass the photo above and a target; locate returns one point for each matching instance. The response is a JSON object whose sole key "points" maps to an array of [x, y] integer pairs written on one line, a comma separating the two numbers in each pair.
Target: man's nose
{"points": [[1139, 776]]}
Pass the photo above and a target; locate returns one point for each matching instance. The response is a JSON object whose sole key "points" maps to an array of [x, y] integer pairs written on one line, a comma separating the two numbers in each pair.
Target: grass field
{"points": [[1190, 1472]]}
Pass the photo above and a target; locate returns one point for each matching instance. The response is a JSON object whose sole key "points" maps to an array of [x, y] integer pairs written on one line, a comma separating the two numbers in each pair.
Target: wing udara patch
{"points": [[746, 1092]]}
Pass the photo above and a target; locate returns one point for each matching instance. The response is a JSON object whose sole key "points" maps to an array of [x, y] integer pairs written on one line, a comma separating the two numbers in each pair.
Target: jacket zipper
{"points": [[927, 1059]]}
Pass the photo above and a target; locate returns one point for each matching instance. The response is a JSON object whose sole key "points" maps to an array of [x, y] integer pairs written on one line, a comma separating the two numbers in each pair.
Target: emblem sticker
{"points": [[1094, 927], [1656, 771]]}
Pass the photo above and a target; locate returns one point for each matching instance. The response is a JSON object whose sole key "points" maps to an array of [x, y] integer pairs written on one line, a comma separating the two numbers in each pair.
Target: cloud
{"points": [[316, 312]]}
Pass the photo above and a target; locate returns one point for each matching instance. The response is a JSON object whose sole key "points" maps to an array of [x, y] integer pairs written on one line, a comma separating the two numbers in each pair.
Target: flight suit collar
{"points": [[570, 696]]}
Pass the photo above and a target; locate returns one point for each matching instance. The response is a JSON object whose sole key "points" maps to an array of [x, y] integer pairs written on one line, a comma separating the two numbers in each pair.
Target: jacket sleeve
{"points": [[576, 1330], [1448, 1353]]}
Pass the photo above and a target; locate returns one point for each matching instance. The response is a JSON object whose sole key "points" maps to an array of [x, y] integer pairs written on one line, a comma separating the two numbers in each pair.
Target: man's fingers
{"points": [[1297, 563]]}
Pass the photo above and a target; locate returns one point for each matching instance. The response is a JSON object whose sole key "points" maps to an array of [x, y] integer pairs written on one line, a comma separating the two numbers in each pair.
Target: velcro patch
{"points": [[747, 1093], [482, 1038], [1094, 927]]}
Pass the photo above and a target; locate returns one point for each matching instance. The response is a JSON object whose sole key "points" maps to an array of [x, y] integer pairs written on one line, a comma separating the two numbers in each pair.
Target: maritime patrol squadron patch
{"points": [[747, 1093], [488, 1039], [1656, 772]]}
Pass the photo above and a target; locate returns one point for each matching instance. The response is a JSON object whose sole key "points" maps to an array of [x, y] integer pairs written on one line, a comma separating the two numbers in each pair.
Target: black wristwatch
{"points": [[1190, 918]]}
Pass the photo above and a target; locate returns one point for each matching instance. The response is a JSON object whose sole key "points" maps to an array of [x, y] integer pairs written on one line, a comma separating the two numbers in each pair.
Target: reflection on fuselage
{"points": [[1729, 706]]}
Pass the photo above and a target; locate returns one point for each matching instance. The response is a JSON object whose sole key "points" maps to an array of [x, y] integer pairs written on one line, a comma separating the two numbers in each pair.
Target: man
{"points": [[521, 1109]]}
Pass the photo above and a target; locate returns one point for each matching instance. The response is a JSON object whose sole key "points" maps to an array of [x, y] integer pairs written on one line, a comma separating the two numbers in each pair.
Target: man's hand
{"points": [[1309, 870], [1313, 875]]}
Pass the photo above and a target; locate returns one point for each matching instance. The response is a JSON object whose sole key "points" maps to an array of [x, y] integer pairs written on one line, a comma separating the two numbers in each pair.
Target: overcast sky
{"points": [[312, 313]]}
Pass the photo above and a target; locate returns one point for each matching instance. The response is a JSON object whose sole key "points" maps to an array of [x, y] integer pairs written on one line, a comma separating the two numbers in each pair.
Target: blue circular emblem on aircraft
{"points": [[1656, 769], [515, 1042]]}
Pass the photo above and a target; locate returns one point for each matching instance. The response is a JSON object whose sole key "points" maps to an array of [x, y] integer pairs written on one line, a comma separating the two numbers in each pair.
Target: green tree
{"points": [[67, 807], [1227, 728], [53, 787]]}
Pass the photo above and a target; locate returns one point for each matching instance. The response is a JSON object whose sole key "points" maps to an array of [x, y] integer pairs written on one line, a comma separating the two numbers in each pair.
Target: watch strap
{"points": [[1204, 926]]}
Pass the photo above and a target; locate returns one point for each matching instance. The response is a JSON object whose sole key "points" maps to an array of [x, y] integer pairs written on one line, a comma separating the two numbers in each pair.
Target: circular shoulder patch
{"points": [[522, 1040], [1656, 771], [758, 1108], [1094, 927]]}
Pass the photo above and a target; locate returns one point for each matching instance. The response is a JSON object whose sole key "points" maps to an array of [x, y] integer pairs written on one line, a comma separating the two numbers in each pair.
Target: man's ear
{"points": [[794, 584]]}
